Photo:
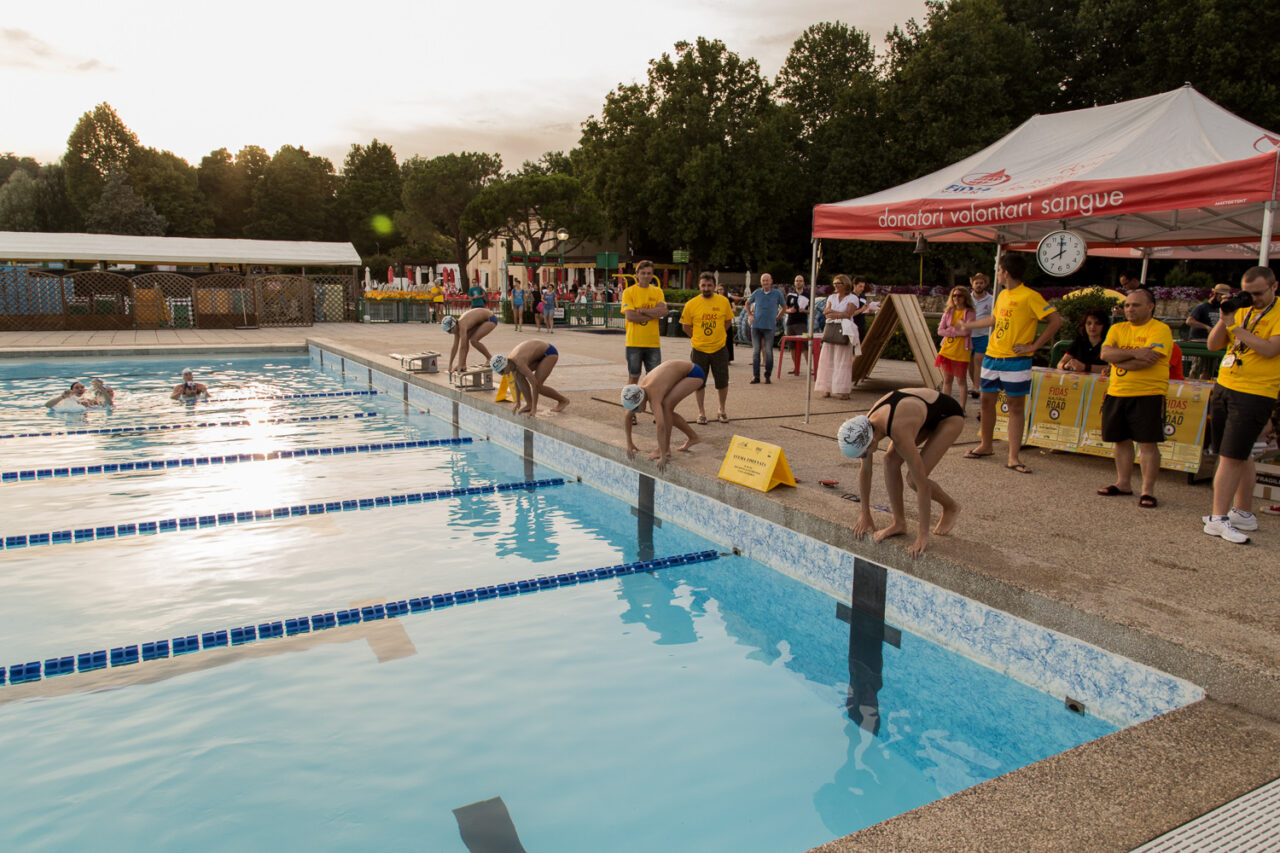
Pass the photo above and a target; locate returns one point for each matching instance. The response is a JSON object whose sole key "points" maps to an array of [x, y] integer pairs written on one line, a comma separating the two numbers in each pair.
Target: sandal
{"points": [[1019, 467], [702, 420], [722, 418], [1111, 491], [1148, 501], [973, 454]]}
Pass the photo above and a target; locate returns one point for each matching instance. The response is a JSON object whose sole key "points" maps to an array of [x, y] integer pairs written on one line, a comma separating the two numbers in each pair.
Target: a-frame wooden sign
{"points": [[898, 308]]}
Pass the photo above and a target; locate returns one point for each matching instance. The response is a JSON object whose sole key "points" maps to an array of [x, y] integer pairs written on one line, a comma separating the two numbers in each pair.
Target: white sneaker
{"points": [[1221, 526], [1241, 520]]}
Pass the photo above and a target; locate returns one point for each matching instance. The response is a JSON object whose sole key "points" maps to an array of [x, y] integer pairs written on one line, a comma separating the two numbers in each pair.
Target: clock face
{"points": [[1061, 252]]}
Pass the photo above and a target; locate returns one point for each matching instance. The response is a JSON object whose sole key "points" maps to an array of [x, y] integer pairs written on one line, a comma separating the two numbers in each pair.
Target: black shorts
{"points": [[1139, 419], [715, 363], [1236, 419]]}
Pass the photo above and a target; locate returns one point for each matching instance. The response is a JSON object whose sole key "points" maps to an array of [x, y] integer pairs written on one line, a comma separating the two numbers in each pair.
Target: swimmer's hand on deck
{"points": [[864, 525], [918, 547]]}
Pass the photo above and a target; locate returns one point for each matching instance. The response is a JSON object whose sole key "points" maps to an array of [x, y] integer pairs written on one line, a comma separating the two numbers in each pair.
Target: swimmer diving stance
{"points": [[664, 387], [529, 364], [467, 332]]}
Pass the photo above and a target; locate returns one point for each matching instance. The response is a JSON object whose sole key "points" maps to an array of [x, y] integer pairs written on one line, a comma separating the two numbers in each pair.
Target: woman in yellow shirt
{"points": [[956, 350]]}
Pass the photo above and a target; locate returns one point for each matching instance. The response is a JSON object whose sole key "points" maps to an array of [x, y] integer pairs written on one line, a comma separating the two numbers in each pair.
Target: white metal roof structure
{"points": [[24, 246], [1173, 169]]}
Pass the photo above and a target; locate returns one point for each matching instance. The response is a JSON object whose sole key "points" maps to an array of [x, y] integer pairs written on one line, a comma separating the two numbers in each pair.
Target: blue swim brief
{"points": [[550, 351], [699, 374], [979, 343], [493, 319]]}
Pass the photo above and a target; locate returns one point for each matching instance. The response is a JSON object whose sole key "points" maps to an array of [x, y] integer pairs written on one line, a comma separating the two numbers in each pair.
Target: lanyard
{"points": [[1241, 348]]}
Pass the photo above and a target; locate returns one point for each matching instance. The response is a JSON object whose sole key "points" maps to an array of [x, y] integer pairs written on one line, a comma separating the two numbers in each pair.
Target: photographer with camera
{"points": [[1248, 382]]}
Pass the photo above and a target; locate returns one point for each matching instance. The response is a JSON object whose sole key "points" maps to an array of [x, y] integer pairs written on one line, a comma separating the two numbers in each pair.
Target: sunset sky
{"points": [[427, 78]]}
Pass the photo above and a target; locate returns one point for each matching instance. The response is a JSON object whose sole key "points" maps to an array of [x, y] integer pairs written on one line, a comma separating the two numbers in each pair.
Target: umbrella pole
{"points": [[1268, 224], [813, 291]]}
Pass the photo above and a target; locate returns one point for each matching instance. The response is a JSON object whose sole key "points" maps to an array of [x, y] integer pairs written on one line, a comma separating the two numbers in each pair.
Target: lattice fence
{"points": [[32, 301], [163, 300], [225, 300], [331, 297], [284, 300], [99, 300]]}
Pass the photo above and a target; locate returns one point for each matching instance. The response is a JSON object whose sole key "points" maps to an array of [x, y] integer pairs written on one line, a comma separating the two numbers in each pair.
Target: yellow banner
{"points": [[1091, 436], [1185, 407], [1057, 408], [1002, 414], [755, 464]]}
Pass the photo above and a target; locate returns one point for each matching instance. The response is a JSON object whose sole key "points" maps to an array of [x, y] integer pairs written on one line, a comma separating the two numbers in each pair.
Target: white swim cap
{"points": [[632, 397], [448, 324], [855, 436], [498, 363]]}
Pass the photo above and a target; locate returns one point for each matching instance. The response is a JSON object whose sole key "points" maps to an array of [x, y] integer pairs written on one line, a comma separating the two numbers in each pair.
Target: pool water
{"points": [[709, 706]]}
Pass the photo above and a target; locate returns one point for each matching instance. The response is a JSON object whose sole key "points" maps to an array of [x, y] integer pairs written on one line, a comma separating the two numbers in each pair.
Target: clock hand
{"points": [[1060, 253]]}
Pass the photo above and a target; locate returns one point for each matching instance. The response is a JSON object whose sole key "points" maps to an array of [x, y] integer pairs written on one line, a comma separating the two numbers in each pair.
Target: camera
{"points": [[1236, 301]]}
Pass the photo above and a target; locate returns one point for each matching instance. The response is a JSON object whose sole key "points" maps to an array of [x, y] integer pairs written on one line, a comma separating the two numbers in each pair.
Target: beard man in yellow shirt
{"points": [[707, 320]]}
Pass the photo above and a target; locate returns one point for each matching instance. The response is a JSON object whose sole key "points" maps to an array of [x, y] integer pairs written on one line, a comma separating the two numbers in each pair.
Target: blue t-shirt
{"points": [[766, 307]]}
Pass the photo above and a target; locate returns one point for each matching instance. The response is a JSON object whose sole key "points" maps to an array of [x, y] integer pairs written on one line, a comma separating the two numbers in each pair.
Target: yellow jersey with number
{"points": [[1149, 380], [645, 332], [1248, 372], [1017, 313], [707, 317]]}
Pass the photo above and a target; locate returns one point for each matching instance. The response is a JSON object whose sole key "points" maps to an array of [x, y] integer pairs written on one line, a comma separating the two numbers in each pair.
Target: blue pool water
{"points": [[712, 706]]}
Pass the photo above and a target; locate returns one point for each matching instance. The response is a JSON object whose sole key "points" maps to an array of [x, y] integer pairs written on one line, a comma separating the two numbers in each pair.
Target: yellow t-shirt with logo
{"points": [[1149, 380], [1251, 373], [1017, 312], [954, 348], [644, 333], [707, 317]]}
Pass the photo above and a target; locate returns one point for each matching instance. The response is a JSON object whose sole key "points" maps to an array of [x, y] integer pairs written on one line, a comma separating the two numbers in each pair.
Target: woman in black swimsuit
{"points": [[922, 424]]}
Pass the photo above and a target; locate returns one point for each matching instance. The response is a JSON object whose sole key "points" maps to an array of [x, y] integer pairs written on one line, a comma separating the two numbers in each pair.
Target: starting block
{"points": [[421, 362], [476, 379]]}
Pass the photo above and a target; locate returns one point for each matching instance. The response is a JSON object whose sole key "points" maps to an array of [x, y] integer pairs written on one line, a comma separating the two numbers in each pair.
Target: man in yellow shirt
{"points": [[707, 320], [643, 306], [1133, 410], [1248, 382], [1007, 364]]}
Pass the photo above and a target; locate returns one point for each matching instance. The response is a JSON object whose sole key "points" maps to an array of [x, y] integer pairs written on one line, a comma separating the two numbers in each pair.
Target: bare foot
{"points": [[657, 454], [946, 521], [689, 442], [895, 529], [560, 407]]}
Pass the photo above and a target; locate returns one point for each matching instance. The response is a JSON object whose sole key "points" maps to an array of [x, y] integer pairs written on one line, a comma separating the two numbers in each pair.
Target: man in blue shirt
{"points": [[764, 309]]}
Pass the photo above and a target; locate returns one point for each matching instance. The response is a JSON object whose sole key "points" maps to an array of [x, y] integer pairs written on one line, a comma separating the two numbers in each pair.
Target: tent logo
{"points": [[978, 182], [1266, 143]]}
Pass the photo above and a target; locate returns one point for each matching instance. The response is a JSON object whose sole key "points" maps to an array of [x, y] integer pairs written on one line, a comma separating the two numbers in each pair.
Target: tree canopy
{"points": [[435, 197]]}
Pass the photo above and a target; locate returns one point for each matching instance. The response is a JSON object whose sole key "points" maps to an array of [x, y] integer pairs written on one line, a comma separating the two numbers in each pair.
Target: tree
{"points": [[37, 203], [172, 187], [435, 196], [120, 210], [10, 163], [18, 203], [369, 196], [227, 184], [99, 145], [294, 198]]}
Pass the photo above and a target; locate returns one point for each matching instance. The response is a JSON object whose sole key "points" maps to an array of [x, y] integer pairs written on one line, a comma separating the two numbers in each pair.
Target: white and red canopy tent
{"points": [[1173, 169]]}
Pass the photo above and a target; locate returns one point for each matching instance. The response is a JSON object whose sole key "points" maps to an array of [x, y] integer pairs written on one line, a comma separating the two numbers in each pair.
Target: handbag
{"points": [[832, 334]]}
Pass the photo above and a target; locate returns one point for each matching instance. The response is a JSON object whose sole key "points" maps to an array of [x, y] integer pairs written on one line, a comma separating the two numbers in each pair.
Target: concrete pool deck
{"points": [[1147, 584]]}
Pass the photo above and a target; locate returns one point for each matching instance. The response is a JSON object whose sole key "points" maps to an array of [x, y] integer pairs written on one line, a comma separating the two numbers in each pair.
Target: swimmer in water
{"points": [[102, 396], [189, 388], [664, 387], [467, 332], [529, 365], [75, 393]]}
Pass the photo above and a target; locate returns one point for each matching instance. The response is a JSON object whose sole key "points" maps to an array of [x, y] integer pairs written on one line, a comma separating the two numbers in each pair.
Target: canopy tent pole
{"points": [[1146, 258], [1268, 224], [995, 271], [813, 295]]}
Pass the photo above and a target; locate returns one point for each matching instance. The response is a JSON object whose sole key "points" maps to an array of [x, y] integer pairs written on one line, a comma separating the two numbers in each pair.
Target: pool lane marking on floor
{"points": [[133, 430], [23, 673], [193, 522], [148, 465]]}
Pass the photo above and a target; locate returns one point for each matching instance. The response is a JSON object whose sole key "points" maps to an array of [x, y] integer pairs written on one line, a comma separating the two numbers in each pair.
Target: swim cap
{"points": [[448, 324], [498, 363], [187, 370], [855, 436], [632, 397]]}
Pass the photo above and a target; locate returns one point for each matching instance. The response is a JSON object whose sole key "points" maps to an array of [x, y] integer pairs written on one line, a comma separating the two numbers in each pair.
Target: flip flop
{"points": [[1019, 467], [1148, 502], [1111, 491], [722, 418], [973, 454], [702, 420]]}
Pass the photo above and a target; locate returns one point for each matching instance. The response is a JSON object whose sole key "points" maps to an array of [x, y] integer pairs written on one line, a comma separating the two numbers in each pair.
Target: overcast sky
{"points": [[427, 78]]}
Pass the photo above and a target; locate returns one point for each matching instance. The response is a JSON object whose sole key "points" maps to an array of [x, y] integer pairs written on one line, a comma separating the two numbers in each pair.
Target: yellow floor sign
{"points": [[756, 465], [504, 390]]}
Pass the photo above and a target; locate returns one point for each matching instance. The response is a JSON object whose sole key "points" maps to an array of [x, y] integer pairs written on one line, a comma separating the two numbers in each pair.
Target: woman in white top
{"points": [[835, 363]]}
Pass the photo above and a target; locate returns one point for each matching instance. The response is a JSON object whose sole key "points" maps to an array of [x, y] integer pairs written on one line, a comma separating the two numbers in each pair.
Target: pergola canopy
{"points": [[1173, 169], [23, 246]]}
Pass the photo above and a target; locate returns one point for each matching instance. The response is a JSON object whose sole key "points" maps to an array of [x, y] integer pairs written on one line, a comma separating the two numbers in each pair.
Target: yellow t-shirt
{"points": [[437, 295], [954, 348], [1251, 373], [1017, 312], [707, 317], [644, 333], [1149, 380]]}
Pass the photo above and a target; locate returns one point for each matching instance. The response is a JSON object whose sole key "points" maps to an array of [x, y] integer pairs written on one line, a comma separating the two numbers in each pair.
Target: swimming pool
{"points": [[715, 705]]}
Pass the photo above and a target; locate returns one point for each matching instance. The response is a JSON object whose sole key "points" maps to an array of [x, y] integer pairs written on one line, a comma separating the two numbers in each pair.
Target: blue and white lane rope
{"points": [[293, 396], [131, 430], [22, 673], [193, 522], [230, 459]]}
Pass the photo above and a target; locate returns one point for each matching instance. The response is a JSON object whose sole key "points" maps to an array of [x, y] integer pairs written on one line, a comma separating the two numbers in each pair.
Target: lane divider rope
{"points": [[169, 525], [22, 673], [130, 430], [230, 459], [294, 396]]}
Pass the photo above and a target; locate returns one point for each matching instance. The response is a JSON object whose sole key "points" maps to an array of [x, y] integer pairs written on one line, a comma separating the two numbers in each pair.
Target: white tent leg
{"points": [[1142, 276], [995, 270], [1268, 225], [813, 294]]}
